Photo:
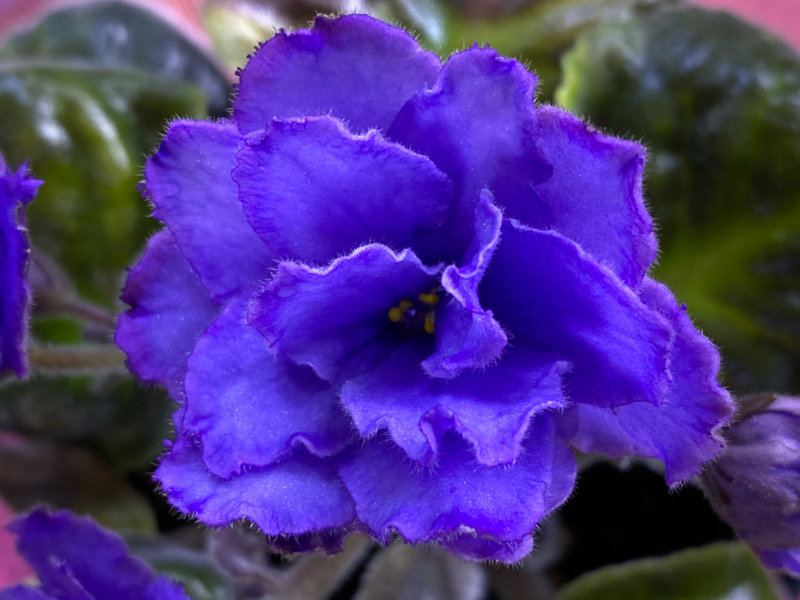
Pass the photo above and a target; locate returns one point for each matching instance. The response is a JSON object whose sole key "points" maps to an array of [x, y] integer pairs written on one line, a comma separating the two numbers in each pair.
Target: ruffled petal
{"points": [[314, 191], [75, 558], [300, 494], [503, 503], [16, 190], [169, 311], [685, 431], [468, 337], [478, 124], [596, 179], [189, 182], [335, 319], [355, 67], [548, 293], [249, 407], [24, 592], [491, 408]]}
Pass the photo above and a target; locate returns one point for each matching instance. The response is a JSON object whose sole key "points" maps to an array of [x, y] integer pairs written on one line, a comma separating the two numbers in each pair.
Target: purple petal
{"points": [[75, 558], [169, 311], [596, 179], [16, 190], [189, 182], [23, 592], [470, 547], [468, 337], [685, 431], [502, 503], [300, 494], [491, 408], [478, 124], [355, 67], [313, 191], [335, 319], [548, 293], [784, 560], [249, 407], [329, 540]]}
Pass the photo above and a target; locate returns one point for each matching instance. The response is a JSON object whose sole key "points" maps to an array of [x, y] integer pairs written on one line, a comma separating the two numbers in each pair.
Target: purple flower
{"points": [[755, 484], [391, 295], [75, 559], [16, 190]]}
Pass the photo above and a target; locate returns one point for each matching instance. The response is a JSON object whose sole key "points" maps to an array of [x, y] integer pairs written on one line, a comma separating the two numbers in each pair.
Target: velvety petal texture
{"points": [[17, 188], [392, 296], [75, 559], [354, 67]]}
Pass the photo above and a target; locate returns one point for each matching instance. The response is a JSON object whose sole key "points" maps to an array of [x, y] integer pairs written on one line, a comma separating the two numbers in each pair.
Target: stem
{"points": [[71, 360]]}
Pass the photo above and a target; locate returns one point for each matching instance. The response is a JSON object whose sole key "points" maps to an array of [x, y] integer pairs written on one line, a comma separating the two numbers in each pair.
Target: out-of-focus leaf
{"points": [[717, 102], [39, 471], [195, 569], [402, 572], [86, 132], [123, 421], [540, 34], [121, 35], [717, 572]]}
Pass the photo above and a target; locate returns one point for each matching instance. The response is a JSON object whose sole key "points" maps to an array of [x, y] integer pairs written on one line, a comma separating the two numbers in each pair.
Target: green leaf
{"points": [[717, 572], [121, 35], [86, 131], [124, 422], [65, 476], [541, 34], [722, 125]]}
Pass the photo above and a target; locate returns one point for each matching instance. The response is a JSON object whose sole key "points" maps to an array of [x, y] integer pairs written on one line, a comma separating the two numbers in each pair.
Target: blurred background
{"points": [[86, 88]]}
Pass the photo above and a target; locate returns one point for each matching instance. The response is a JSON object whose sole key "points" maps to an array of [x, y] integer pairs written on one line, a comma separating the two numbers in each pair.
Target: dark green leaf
{"points": [[718, 572], [722, 123], [63, 476], [121, 35], [86, 132]]}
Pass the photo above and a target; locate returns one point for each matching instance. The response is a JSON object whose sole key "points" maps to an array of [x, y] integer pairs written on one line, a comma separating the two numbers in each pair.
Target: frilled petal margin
{"points": [[497, 504], [16, 190], [189, 182], [468, 337], [249, 407], [75, 558], [490, 408], [169, 311], [335, 319], [355, 67], [596, 179], [569, 304], [478, 124], [314, 191], [685, 431], [300, 494]]}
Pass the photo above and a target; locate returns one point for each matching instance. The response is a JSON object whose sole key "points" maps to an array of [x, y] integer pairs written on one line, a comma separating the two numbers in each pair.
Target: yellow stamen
{"points": [[398, 313], [429, 299], [430, 322]]}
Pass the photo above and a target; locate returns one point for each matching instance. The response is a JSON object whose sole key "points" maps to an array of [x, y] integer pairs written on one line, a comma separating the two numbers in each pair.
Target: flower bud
{"points": [[755, 485]]}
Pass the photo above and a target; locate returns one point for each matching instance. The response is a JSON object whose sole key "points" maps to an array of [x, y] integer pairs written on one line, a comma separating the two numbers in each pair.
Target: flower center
{"points": [[416, 315]]}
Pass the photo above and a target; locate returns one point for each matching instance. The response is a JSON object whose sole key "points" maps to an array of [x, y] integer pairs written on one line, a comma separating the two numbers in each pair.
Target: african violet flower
{"points": [[755, 484], [391, 295], [16, 190], [75, 559]]}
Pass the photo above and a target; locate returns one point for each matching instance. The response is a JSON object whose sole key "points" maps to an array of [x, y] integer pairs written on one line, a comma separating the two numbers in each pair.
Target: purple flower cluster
{"points": [[16, 190], [392, 295], [75, 559], [755, 484]]}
